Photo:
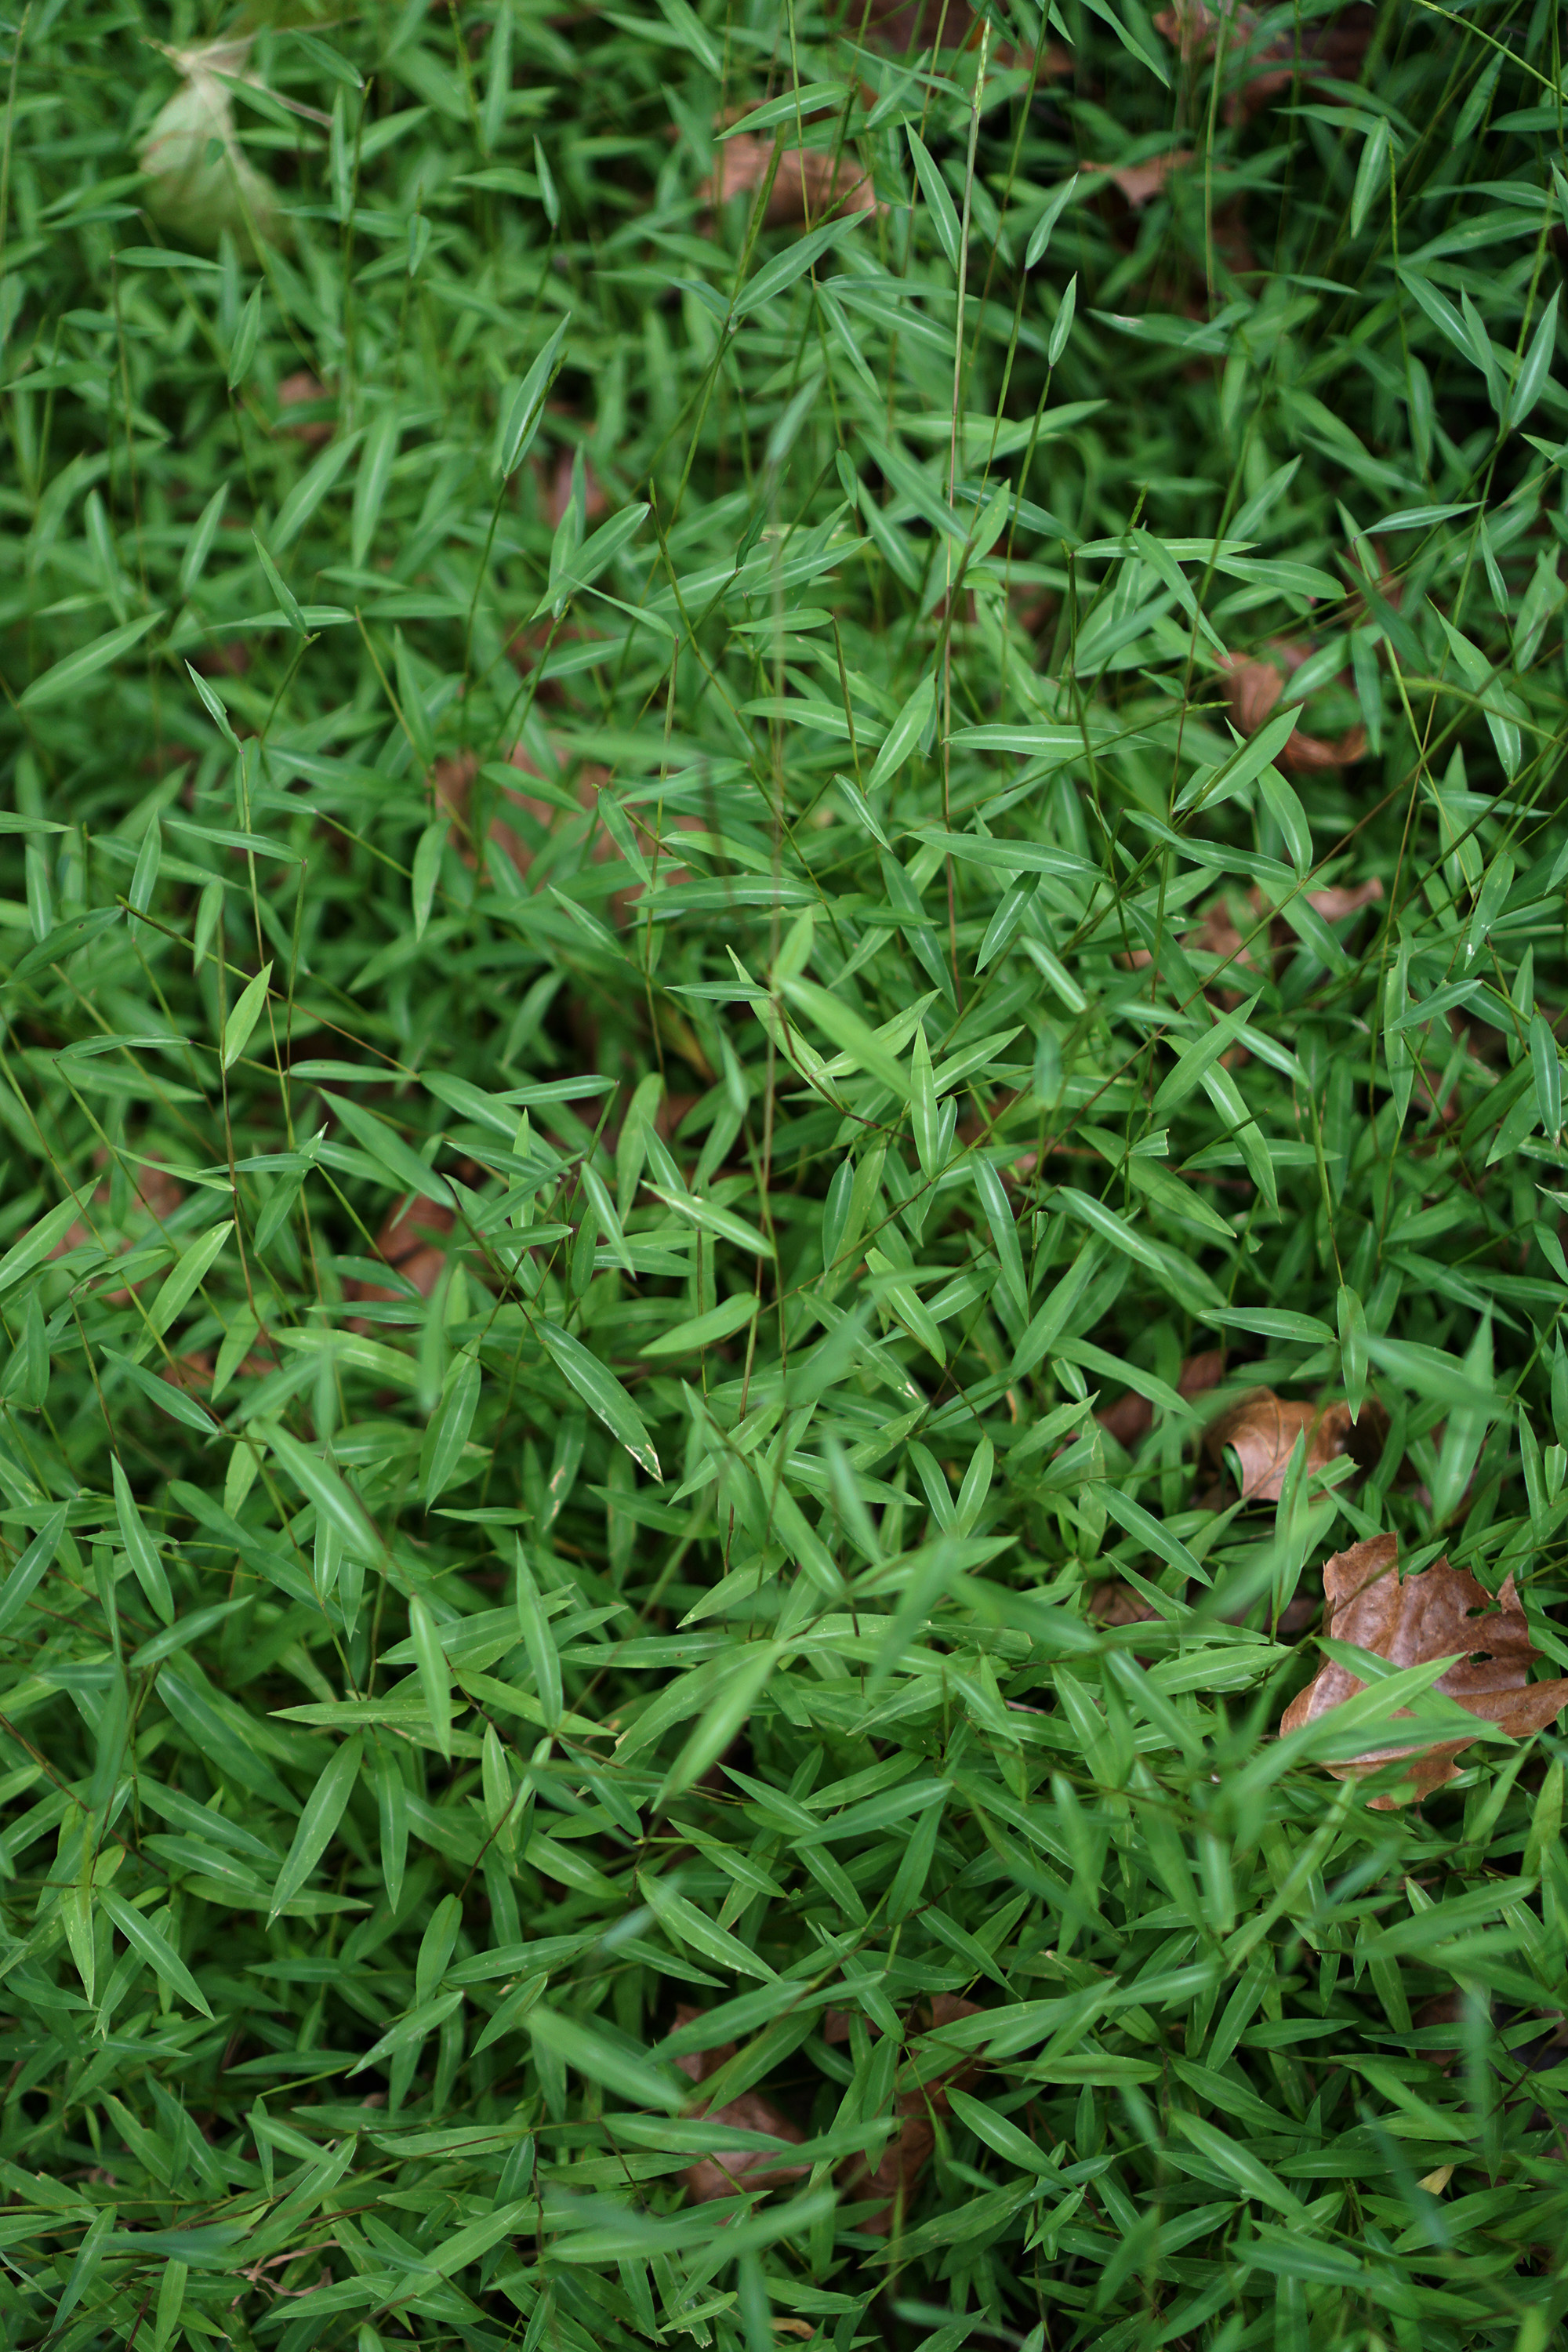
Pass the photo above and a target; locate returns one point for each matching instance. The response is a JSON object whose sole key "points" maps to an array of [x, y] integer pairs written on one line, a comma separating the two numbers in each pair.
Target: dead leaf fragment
{"points": [[1252, 688], [407, 1241], [454, 780], [897, 2174], [1441, 1613], [302, 390], [155, 1197], [1337, 904], [729, 2169], [1261, 1429], [1140, 183], [808, 187], [1119, 1604], [1302, 54], [1131, 1417], [200, 182]]}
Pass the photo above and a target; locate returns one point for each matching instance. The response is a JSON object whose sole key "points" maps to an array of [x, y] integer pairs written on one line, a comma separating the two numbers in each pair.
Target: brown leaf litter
{"points": [[1261, 1430], [1334, 51], [811, 184], [408, 1243], [302, 390], [1142, 182], [155, 1196], [721, 2175], [1131, 1417], [888, 2184], [454, 781], [1252, 685], [892, 2181], [1443, 1612]]}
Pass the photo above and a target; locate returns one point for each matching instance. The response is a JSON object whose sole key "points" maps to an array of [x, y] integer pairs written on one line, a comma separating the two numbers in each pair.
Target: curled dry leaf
{"points": [[200, 181], [1441, 1613], [1261, 1430], [1252, 688], [729, 2169], [808, 187]]}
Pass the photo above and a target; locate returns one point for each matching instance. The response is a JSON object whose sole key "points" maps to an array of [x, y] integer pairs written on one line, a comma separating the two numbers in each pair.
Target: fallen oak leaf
{"points": [[1441, 1613]]}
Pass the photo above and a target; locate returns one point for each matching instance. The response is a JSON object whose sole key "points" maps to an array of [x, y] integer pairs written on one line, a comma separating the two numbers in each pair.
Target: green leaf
{"points": [[434, 1674], [905, 732], [323, 1810], [69, 676], [632, 2077], [406, 1171], [139, 1549], [802, 254], [40, 1241], [523, 408], [1003, 1233], [603, 1394], [320, 1483], [450, 1427], [30, 1571], [1040, 234], [190, 1270], [938, 203], [371, 482], [150, 1946], [850, 1033], [722, 1718]]}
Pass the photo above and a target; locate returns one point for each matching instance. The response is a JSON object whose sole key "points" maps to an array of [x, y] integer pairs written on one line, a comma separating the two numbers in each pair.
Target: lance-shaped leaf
{"points": [[322, 1812]]}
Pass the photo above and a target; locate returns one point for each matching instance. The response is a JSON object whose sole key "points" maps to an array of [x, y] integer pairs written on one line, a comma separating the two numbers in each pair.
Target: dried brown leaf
{"points": [[454, 780], [1261, 1429], [1119, 1604], [893, 2182], [1303, 54], [729, 2169], [1140, 183], [1131, 1417], [155, 1197], [302, 390], [1441, 1613], [1336, 903], [408, 1242], [809, 186], [1253, 686]]}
